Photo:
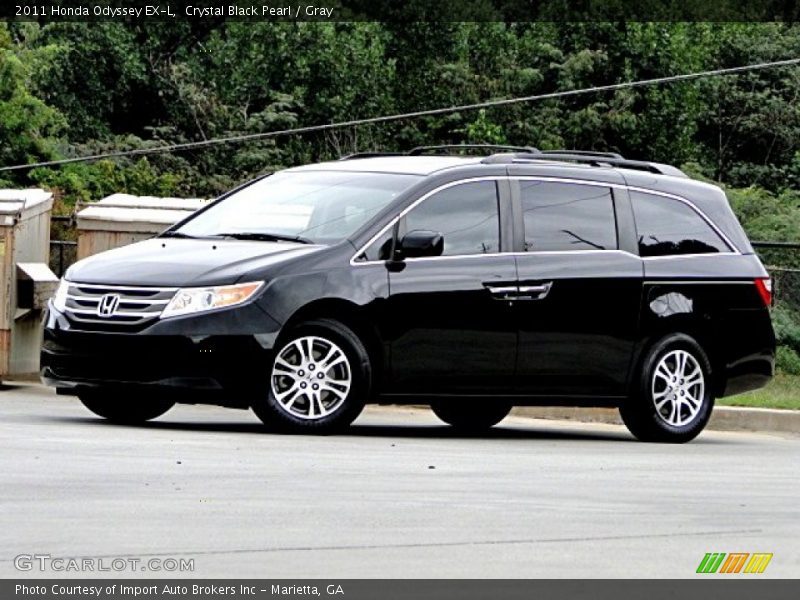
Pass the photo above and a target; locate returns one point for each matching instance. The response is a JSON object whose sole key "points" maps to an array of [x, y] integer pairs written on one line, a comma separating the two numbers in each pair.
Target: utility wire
{"points": [[409, 115]]}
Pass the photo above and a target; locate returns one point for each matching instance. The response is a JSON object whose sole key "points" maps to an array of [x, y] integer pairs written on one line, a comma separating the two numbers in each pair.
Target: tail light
{"points": [[764, 287]]}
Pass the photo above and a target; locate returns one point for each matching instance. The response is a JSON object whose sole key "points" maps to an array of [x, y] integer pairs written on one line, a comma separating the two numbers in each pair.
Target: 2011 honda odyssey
{"points": [[472, 284]]}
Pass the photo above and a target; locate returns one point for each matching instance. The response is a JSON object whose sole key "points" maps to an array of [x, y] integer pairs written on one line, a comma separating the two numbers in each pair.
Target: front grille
{"points": [[113, 307]]}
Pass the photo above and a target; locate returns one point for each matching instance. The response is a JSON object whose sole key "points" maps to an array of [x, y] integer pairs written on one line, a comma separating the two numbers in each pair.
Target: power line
{"points": [[409, 115]]}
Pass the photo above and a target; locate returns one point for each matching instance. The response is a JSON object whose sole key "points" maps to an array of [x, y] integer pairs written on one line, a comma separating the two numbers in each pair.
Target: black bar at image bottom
{"points": [[398, 589]]}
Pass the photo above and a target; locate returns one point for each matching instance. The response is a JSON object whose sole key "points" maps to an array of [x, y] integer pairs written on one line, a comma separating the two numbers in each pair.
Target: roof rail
{"points": [[591, 160], [521, 154], [357, 155], [425, 149], [584, 153]]}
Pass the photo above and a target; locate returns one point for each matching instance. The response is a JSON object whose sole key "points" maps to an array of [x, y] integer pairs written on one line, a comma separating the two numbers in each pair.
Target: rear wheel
{"points": [[468, 415], [123, 406], [319, 379], [674, 400]]}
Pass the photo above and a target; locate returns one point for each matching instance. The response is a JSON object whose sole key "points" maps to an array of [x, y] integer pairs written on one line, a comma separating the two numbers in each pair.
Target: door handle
{"points": [[534, 292], [519, 292], [502, 292]]}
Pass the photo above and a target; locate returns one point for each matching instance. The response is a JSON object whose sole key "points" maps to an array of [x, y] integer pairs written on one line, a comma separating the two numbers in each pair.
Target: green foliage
{"points": [[765, 215], [82, 182], [786, 321], [72, 88], [788, 361], [749, 129], [28, 127], [96, 77], [483, 131], [787, 327]]}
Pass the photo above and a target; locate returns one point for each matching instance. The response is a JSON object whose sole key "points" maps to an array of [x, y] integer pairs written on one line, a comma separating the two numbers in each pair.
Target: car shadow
{"points": [[499, 432], [370, 430], [6, 386]]}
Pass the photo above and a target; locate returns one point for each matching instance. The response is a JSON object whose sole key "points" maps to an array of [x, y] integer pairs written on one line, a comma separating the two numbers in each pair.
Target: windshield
{"points": [[321, 207]]}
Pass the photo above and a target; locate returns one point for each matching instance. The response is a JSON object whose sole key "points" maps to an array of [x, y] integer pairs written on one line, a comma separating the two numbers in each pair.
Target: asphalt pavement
{"points": [[399, 495]]}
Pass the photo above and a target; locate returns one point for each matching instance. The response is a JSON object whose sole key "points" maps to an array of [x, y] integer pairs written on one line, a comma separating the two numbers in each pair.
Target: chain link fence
{"points": [[63, 244], [782, 260], [62, 254], [785, 287]]}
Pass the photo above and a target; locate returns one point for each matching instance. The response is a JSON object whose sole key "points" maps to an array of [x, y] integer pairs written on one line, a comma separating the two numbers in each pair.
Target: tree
{"points": [[28, 127], [749, 131]]}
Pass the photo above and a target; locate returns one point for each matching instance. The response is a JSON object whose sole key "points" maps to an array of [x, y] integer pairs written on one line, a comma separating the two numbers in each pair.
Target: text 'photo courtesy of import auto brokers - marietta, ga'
{"points": [[143, 591]]}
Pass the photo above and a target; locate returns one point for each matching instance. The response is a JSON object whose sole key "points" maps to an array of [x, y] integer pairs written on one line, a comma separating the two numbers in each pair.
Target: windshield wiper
{"points": [[265, 237], [178, 234]]}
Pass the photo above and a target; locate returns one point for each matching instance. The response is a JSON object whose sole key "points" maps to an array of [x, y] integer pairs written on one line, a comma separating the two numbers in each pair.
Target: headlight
{"points": [[60, 299], [193, 300]]}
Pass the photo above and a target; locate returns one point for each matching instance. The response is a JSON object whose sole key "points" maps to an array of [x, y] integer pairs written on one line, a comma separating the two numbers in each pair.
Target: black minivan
{"points": [[470, 283]]}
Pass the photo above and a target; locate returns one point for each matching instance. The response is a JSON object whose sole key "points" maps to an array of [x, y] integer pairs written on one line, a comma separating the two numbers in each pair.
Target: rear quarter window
{"points": [[669, 227]]}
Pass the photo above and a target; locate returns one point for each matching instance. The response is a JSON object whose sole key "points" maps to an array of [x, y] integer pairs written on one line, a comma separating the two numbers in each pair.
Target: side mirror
{"points": [[419, 243]]}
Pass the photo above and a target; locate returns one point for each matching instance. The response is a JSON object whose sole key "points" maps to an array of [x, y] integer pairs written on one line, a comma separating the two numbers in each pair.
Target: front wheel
{"points": [[674, 399], [471, 416], [319, 379], [123, 407]]}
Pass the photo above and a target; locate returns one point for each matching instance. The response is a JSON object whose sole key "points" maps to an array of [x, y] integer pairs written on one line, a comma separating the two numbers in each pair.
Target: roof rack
{"points": [[420, 150], [592, 159], [426, 149], [520, 154], [584, 153], [357, 155]]}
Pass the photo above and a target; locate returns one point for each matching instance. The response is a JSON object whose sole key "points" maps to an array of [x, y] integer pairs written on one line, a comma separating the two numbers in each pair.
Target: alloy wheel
{"points": [[678, 388], [311, 377]]}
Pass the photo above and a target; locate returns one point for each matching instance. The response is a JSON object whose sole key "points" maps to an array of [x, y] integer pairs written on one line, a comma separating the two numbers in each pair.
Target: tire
{"points": [[673, 399], [319, 379], [124, 407], [471, 416]]}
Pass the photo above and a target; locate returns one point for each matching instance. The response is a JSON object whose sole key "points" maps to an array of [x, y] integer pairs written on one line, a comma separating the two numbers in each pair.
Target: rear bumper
{"points": [[750, 373], [749, 350]]}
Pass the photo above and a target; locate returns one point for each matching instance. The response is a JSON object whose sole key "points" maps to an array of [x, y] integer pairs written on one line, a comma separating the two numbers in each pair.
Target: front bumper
{"points": [[224, 352]]}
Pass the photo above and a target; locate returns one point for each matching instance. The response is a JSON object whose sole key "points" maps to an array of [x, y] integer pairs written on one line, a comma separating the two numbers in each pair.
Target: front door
{"points": [[451, 326]]}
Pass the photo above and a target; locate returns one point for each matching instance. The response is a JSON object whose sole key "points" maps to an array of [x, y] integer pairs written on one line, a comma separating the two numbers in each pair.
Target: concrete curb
{"points": [[724, 418]]}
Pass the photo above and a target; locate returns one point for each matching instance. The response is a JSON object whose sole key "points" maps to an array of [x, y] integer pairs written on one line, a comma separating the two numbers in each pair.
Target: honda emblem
{"points": [[108, 305]]}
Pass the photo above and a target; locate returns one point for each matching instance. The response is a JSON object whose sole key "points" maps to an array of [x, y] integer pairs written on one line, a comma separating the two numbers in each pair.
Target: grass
{"points": [[782, 392]]}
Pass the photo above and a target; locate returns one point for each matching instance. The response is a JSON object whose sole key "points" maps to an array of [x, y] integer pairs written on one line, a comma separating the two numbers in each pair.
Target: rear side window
{"points": [[466, 215], [667, 227], [565, 216]]}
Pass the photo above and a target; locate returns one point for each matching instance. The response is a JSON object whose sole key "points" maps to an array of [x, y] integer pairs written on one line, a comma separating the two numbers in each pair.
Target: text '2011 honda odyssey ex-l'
{"points": [[470, 283]]}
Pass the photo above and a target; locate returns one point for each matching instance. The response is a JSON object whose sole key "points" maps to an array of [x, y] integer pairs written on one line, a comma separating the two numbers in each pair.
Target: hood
{"points": [[170, 262]]}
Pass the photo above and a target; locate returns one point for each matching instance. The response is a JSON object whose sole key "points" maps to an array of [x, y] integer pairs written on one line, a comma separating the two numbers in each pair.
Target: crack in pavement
{"points": [[417, 544]]}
